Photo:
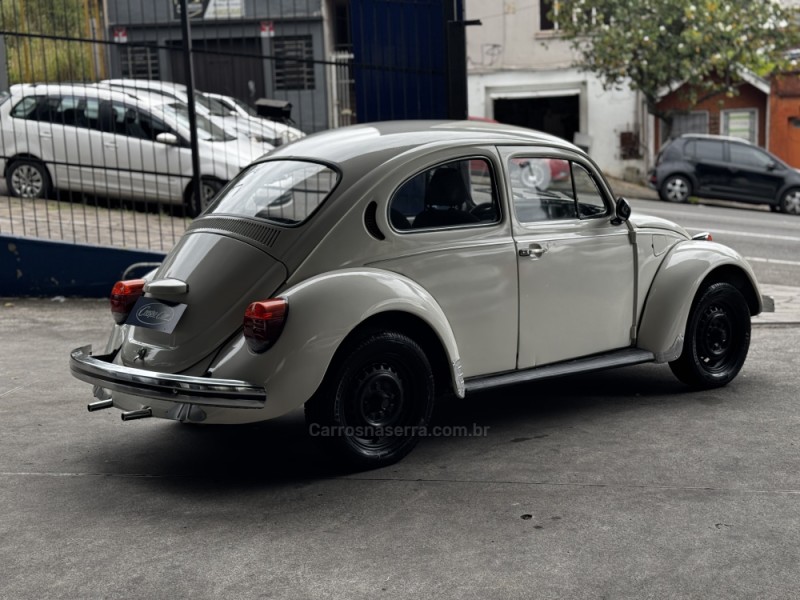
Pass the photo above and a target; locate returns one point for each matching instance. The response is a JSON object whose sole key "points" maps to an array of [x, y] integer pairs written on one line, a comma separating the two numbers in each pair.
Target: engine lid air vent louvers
{"points": [[259, 233]]}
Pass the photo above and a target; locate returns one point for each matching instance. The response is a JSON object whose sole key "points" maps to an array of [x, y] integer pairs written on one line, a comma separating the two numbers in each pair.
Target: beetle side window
{"points": [[590, 200], [460, 193], [553, 189]]}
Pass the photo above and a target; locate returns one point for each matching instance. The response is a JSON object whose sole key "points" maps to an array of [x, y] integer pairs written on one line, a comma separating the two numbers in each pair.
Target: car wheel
{"points": [[717, 338], [373, 409], [208, 190], [676, 188], [790, 202], [28, 179]]}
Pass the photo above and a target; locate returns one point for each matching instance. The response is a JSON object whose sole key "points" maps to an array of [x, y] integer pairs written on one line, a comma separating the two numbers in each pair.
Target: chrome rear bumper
{"points": [[183, 389]]}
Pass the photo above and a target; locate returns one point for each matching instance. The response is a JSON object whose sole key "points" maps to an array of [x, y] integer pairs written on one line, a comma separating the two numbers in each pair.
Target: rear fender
{"points": [[687, 267], [323, 311]]}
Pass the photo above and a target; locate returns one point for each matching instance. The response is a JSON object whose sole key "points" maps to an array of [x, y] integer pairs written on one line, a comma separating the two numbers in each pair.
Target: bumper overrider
{"points": [[183, 390]]}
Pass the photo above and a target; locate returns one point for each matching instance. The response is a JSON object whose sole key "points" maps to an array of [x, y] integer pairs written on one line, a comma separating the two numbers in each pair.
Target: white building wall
{"points": [[510, 57]]}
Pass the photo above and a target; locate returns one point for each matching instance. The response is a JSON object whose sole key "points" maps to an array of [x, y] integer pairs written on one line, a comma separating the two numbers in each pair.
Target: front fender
{"points": [[323, 310], [669, 300]]}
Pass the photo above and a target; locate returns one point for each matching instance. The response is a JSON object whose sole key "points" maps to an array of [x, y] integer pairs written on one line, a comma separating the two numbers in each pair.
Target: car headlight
{"points": [[289, 136]]}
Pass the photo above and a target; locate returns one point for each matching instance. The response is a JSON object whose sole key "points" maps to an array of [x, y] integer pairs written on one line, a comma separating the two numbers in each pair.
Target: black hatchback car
{"points": [[710, 166]]}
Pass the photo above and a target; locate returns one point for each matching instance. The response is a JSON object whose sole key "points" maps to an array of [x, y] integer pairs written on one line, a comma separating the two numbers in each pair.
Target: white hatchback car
{"points": [[89, 139]]}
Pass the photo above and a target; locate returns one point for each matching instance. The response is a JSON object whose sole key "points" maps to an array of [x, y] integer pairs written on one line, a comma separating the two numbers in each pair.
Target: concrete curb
{"points": [[787, 305]]}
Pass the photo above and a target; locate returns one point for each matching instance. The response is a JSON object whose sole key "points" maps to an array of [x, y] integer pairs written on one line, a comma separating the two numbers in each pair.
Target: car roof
{"points": [[711, 136], [75, 89], [374, 143]]}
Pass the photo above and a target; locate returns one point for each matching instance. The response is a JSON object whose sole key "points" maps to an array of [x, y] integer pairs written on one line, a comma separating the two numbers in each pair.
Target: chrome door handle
{"points": [[533, 251]]}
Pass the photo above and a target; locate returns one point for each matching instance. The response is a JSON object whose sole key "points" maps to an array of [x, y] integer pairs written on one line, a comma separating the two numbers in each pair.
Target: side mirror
{"points": [[167, 138], [623, 212], [771, 166]]}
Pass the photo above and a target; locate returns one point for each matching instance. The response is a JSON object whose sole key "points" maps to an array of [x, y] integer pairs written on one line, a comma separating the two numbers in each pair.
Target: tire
{"points": [[717, 338], [790, 202], [385, 381], [209, 188], [28, 178], [675, 188]]}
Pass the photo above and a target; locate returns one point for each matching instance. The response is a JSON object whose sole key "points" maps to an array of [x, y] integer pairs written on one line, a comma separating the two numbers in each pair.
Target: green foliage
{"points": [[32, 54], [658, 45]]}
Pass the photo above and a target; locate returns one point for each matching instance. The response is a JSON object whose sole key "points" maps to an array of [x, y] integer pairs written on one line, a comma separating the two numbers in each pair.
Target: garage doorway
{"points": [[557, 115]]}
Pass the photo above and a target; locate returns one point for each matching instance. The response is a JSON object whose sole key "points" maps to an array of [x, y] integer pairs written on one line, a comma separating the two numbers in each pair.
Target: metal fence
{"points": [[114, 113]]}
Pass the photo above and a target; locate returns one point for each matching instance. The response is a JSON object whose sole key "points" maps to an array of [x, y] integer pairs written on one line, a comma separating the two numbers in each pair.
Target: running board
{"points": [[618, 358]]}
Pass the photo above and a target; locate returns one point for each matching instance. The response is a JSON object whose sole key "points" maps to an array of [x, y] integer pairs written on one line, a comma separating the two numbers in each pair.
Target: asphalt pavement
{"points": [[621, 484]]}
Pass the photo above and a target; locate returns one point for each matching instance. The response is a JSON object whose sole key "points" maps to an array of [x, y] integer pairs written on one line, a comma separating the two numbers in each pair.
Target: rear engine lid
{"points": [[206, 283]]}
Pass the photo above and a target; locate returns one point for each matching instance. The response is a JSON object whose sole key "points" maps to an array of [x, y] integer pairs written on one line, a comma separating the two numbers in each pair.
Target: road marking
{"points": [[4, 394], [773, 261], [673, 214], [766, 236]]}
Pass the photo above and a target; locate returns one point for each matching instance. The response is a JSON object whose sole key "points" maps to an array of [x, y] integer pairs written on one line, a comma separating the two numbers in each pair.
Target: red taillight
{"points": [[263, 323], [124, 295]]}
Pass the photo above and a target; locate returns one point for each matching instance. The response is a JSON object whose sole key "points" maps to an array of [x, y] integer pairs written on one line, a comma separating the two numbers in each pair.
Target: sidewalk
{"points": [[787, 305]]}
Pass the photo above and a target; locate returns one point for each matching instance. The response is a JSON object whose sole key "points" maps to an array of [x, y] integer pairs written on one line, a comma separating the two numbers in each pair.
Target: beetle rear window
{"points": [[286, 192]]}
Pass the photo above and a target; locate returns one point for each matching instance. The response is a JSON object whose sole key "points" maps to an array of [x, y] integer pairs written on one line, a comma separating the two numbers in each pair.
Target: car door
{"points": [[450, 235], [710, 166], [108, 159], [754, 174], [32, 123], [156, 165], [575, 266]]}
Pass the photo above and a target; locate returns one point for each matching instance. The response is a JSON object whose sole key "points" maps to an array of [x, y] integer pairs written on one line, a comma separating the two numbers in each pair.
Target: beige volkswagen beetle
{"points": [[366, 271]]}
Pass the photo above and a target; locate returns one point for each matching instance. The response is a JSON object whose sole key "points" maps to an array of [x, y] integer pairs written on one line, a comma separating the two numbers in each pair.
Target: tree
{"points": [[47, 40], [702, 47]]}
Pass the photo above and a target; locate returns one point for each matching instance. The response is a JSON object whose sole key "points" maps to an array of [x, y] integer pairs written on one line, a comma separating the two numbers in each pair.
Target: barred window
{"points": [[139, 62], [294, 64]]}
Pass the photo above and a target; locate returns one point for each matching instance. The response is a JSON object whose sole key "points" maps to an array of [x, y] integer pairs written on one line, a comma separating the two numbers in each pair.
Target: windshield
{"points": [[282, 191], [214, 106], [248, 109], [206, 130]]}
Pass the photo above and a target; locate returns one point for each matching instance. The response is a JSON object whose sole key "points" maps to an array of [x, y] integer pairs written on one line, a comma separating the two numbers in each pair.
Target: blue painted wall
{"points": [[33, 267], [400, 58]]}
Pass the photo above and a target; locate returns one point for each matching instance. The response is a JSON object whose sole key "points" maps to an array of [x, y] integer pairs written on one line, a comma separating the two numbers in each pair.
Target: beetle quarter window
{"points": [[460, 193]]}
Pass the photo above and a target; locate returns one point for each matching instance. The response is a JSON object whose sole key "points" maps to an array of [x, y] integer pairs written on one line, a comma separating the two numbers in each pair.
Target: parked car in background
{"points": [[726, 168], [217, 109], [282, 133], [366, 271], [84, 138]]}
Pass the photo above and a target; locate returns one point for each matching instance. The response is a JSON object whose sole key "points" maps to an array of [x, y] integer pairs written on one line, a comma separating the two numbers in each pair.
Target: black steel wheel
{"points": [[676, 188], [27, 178], [377, 402], [717, 338]]}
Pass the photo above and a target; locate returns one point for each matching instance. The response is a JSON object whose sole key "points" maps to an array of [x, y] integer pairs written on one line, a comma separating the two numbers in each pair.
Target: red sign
{"points": [[267, 29], [121, 35]]}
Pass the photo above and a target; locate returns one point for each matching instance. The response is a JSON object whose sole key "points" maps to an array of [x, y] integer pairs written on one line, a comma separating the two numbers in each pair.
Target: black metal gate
{"points": [[329, 62]]}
